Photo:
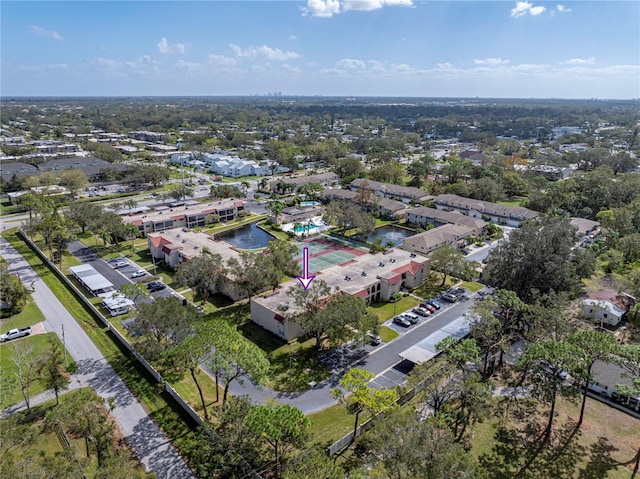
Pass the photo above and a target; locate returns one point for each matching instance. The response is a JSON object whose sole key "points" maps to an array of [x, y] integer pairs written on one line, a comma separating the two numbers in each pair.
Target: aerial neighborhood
{"points": [[306, 290]]}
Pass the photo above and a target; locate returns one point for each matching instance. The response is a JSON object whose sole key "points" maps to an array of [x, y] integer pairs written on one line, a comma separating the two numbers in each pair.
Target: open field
{"points": [[604, 447], [39, 344]]}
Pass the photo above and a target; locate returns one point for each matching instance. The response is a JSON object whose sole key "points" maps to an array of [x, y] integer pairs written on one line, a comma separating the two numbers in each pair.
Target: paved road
{"points": [[379, 361], [146, 439]]}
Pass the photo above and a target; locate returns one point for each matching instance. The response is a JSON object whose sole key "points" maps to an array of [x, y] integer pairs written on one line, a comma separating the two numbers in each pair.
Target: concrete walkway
{"points": [[143, 435]]}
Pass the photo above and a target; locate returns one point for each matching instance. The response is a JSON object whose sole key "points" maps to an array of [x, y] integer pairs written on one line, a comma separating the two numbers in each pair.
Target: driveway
{"points": [[383, 361], [117, 276], [147, 441]]}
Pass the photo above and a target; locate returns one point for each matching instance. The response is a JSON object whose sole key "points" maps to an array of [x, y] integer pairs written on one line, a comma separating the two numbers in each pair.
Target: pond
{"points": [[390, 233], [247, 237]]}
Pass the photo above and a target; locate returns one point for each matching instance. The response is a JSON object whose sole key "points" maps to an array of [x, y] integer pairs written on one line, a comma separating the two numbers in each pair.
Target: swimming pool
{"points": [[309, 203], [306, 227]]}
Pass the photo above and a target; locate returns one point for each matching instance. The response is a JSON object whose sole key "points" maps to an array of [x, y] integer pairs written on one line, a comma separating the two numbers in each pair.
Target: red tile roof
{"points": [[412, 268], [178, 217], [158, 241], [137, 222]]}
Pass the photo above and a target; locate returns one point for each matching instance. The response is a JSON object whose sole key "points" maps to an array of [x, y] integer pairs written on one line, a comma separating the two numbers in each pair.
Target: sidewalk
{"points": [[145, 438]]}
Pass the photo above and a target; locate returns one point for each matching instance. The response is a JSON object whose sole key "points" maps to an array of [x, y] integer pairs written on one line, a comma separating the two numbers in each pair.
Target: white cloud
{"points": [[46, 33], [222, 60], [321, 8], [581, 61], [522, 8], [350, 64], [329, 8], [561, 9], [369, 5], [164, 47], [376, 66], [293, 37], [490, 61], [290, 68], [263, 52], [444, 66]]}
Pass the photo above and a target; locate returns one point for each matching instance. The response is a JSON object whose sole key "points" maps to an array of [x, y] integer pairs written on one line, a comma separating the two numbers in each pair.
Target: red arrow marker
{"points": [[305, 279]]}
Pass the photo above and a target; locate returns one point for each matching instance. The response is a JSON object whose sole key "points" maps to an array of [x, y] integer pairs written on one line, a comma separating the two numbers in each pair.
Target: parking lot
{"points": [[117, 276]]}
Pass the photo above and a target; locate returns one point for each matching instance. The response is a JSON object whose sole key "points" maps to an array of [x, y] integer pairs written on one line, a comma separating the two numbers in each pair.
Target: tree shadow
{"points": [[600, 462], [522, 453]]}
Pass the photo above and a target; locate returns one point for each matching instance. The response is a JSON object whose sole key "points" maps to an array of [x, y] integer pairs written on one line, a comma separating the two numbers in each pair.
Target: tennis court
{"points": [[326, 252]]}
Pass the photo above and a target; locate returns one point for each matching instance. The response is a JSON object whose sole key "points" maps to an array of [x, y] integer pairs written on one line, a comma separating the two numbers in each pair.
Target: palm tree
{"points": [[130, 203], [276, 208], [262, 184]]}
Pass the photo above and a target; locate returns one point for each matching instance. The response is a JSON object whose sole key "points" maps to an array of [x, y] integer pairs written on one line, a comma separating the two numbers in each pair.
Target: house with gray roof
{"points": [[404, 194], [500, 214], [423, 216], [425, 243]]}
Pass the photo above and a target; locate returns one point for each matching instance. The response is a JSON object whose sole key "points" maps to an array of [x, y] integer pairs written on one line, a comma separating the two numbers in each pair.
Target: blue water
{"points": [[247, 237], [304, 229], [309, 203], [390, 233]]}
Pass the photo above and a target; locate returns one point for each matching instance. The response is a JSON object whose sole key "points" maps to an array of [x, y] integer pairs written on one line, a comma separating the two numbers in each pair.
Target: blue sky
{"points": [[508, 49]]}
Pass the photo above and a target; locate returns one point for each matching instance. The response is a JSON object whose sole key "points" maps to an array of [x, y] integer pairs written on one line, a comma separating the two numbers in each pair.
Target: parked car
{"points": [[139, 274], [15, 334], [422, 311], [411, 317], [429, 307], [373, 339], [449, 298], [118, 263], [154, 286], [401, 321], [434, 303]]}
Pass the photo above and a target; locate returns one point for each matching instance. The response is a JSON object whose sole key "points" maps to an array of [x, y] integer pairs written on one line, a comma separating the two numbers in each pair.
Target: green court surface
{"points": [[326, 252]]}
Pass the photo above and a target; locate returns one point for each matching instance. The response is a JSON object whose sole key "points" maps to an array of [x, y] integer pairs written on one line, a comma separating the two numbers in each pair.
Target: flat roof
{"points": [[191, 243], [90, 277], [166, 213], [426, 349], [335, 276]]}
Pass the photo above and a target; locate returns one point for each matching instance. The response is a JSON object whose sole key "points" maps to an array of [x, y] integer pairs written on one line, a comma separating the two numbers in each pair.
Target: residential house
{"points": [[73, 163], [425, 243], [325, 179], [404, 194], [295, 214], [174, 246], [370, 277], [500, 214], [9, 169], [607, 306], [586, 229], [423, 216], [383, 207], [185, 216]]}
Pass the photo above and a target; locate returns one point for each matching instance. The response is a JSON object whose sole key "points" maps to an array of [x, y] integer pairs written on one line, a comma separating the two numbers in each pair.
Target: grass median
{"points": [[156, 403]]}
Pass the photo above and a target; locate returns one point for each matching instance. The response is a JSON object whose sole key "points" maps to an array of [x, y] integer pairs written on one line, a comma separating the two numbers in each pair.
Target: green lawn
{"points": [[387, 334], [160, 407], [512, 202], [219, 228], [432, 286], [329, 425], [607, 440], [386, 311], [38, 343], [472, 286], [29, 316], [188, 390]]}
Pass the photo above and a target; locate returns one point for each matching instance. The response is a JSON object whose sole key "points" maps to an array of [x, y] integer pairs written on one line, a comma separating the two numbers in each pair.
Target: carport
{"points": [[426, 349], [91, 279]]}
